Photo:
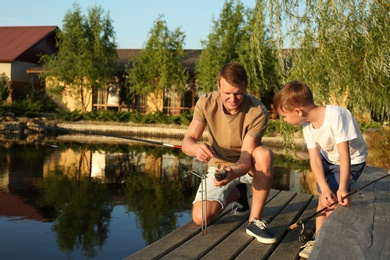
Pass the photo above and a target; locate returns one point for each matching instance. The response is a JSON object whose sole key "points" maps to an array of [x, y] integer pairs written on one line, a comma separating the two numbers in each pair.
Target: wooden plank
{"points": [[237, 241], [179, 236], [290, 246], [200, 244], [278, 226], [361, 230], [167, 243]]}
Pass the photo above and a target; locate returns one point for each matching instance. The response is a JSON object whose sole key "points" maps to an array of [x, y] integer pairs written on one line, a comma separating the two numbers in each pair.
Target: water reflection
{"points": [[76, 187], [82, 211]]}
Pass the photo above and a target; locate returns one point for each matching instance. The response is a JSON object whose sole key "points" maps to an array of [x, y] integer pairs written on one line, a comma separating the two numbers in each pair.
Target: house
{"points": [[171, 103], [20, 50]]}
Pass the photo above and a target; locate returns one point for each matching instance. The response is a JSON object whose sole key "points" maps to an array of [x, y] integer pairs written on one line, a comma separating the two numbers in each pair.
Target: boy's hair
{"points": [[234, 73], [294, 94]]}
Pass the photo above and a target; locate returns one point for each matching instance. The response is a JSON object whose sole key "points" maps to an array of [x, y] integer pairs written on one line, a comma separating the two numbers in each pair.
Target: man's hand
{"points": [[204, 153], [229, 176]]}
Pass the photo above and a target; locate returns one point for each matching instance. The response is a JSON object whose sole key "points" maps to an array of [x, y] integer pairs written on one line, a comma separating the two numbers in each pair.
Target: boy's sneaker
{"points": [[307, 248], [244, 200], [258, 229]]}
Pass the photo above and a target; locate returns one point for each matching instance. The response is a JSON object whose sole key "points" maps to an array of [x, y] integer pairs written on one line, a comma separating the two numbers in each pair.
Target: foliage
{"points": [[86, 59], [342, 51], [239, 35], [135, 117], [158, 69], [222, 46], [83, 212], [22, 108], [69, 116], [378, 141], [5, 87]]}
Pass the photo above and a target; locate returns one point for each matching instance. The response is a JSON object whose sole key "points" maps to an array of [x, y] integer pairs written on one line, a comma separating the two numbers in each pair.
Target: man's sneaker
{"points": [[258, 229], [244, 200], [307, 248], [239, 210]]}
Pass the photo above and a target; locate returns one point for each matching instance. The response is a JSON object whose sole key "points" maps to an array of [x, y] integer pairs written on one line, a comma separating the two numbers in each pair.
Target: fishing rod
{"points": [[115, 136], [304, 220]]}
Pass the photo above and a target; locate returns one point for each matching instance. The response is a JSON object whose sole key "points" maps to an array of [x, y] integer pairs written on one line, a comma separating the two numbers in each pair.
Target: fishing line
{"points": [[304, 220], [114, 136]]}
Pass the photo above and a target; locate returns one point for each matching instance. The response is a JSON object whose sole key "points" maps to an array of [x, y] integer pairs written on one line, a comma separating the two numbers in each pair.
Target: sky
{"points": [[132, 19]]}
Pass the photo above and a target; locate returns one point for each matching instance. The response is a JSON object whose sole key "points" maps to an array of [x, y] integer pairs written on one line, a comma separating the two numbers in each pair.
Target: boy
{"points": [[337, 150]]}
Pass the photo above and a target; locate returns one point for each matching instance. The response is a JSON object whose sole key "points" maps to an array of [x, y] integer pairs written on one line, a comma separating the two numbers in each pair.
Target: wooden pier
{"points": [[361, 230], [226, 238]]}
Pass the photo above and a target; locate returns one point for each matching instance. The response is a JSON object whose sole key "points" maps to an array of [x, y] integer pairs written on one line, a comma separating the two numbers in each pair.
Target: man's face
{"points": [[231, 96]]}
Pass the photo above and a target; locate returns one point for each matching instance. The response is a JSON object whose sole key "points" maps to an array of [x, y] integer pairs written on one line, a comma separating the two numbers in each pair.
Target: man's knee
{"points": [[200, 217], [197, 217], [263, 154]]}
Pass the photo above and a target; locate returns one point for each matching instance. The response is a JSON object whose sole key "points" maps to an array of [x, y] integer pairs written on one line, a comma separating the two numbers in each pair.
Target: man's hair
{"points": [[294, 94], [234, 73]]}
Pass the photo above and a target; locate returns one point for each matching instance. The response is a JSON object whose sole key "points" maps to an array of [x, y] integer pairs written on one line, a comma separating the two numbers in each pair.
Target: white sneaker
{"points": [[307, 248]]}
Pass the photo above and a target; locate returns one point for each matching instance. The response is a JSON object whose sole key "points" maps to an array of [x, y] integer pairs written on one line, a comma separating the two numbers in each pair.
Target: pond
{"points": [[72, 200]]}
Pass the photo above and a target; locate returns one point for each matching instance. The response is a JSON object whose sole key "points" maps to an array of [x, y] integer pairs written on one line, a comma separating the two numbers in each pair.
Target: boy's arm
{"points": [[318, 171], [345, 166]]}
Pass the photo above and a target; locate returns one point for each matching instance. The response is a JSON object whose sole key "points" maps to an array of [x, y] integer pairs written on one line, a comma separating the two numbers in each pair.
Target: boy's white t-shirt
{"points": [[339, 126]]}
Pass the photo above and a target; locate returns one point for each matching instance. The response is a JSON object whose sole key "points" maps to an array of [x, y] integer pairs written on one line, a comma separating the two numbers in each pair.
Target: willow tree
{"points": [[86, 58], [158, 69], [342, 50]]}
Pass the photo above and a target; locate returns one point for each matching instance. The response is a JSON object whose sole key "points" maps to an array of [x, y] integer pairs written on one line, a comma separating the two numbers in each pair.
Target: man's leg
{"points": [[216, 197], [261, 184], [262, 179]]}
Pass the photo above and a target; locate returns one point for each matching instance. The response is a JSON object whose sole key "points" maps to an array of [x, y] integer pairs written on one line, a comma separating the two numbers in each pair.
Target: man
{"points": [[236, 123]]}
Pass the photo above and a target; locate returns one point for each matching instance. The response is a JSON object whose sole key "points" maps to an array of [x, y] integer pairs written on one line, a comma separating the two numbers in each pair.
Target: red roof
{"points": [[15, 40], [191, 57]]}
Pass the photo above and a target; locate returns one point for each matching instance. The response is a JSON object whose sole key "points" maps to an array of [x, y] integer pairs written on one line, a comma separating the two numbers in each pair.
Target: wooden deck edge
{"points": [[181, 235]]}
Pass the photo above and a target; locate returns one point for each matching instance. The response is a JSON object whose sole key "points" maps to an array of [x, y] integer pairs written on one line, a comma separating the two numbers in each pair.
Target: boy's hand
{"points": [[328, 197], [340, 194]]}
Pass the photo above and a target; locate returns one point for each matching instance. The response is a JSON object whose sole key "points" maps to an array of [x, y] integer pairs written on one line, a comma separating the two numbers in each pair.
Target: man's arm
{"points": [[190, 145], [244, 163]]}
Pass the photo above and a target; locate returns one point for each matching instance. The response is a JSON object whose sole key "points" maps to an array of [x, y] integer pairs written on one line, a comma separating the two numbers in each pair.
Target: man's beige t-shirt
{"points": [[227, 132]]}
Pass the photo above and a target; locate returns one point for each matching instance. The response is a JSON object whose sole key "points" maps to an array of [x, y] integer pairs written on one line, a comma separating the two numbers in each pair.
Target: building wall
{"points": [[19, 74], [5, 68], [67, 101]]}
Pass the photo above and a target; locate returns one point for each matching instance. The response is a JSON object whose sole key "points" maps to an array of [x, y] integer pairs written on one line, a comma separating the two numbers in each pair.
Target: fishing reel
{"points": [[220, 175], [305, 235]]}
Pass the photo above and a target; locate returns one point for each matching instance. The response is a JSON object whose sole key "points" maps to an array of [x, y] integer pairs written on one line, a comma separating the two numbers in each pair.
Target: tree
{"points": [[222, 46], [5, 88], [86, 60], [342, 51], [239, 35], [158, 68]]}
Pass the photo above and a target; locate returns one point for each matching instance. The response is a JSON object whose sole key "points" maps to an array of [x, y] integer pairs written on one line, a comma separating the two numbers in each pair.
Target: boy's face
{"points": [[293, 117], [231, 96]]}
